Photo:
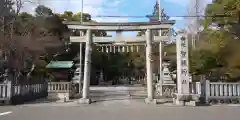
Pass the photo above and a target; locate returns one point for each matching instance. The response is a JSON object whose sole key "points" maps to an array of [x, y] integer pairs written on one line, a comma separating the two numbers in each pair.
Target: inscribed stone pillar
{"points": [[87, 68], [182, 64]]}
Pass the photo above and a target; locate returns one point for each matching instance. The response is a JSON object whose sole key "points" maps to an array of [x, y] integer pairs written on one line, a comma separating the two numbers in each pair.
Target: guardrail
{"points": [[62, 91], [20, 93]]}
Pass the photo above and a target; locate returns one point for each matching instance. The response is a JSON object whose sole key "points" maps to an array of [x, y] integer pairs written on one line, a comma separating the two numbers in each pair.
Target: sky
{"points": [[116, 7]]}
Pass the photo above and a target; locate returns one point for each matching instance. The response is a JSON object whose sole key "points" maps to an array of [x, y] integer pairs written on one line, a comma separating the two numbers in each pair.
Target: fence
{"points": [[219, 90], [215, 91], [59, 87], [60, 91], [20, 93], [195, 88], [4, 92]]}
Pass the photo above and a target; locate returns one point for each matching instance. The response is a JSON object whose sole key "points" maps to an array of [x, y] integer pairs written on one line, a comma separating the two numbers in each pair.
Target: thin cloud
{"points": [[176, 18], [93, 7], [179, 2]]}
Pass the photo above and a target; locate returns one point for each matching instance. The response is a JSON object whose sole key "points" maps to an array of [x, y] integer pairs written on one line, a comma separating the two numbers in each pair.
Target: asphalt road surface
{"points": [[119, 110], [114, 103]]}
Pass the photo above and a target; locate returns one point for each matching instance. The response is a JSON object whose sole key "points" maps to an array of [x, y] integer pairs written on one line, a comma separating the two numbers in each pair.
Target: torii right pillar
{"points": [[183, 95]]}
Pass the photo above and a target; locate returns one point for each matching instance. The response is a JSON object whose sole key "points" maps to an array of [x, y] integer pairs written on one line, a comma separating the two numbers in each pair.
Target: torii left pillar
{"points": [[150, 91], [87, 69]]}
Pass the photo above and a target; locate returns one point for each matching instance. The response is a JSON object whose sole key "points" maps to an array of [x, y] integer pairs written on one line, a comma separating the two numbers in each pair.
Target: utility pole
{"points": [[3, 17], [39, 2], [198, 22], [3, 20], [82, 13], [160, 43], [195, 35], [160, 81], [80, 53], [194, 8]]}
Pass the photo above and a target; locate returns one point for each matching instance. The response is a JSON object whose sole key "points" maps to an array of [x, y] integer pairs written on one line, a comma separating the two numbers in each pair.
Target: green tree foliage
{"points": [[70, 16], [217, 53], [42, 10], [28, 37]]}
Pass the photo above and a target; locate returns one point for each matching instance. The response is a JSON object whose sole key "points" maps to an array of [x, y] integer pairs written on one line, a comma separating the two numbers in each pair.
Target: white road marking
{"points": [[5, 113]]}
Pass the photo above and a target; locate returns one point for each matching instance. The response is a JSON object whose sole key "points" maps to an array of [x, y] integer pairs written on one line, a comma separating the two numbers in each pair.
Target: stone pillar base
{"points": [[150, 101], [84, 101], [5, 102], [63, 100], [184, 103], [178, 102], [186, 99]]}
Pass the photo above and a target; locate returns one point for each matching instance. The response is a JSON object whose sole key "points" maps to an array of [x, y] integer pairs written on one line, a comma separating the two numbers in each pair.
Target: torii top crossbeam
{"points": [[127, 26]]}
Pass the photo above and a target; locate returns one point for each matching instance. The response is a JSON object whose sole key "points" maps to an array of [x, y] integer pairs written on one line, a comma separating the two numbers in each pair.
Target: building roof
{"points": [[60, 64]]}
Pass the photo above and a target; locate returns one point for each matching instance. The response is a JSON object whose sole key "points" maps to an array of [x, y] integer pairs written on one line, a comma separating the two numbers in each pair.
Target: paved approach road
{"points": [[119, 110], [114, 103]]}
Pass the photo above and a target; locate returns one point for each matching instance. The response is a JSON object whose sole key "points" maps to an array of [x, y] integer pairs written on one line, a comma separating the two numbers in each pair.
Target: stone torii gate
{"points": [[148, 39]]}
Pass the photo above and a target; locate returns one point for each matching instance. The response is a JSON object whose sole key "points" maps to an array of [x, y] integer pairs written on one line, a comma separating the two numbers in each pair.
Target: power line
{"points": [[195, 16]]}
